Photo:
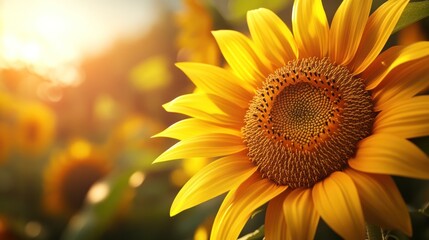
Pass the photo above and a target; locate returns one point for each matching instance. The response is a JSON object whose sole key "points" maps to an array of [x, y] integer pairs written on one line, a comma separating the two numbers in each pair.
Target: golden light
{"points": [[33, 229], [136, 179], [98, 192], [41, 40], [51, 37]]}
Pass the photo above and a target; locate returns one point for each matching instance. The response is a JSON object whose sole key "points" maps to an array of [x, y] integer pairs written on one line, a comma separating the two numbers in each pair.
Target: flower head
{"points": [[70, 175], [35, 128], [312, 121], [194, 39], [5, 146]]}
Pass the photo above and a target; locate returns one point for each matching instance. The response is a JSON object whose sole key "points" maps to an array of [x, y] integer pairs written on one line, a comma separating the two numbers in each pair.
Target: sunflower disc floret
{"points": [[305, 122]]}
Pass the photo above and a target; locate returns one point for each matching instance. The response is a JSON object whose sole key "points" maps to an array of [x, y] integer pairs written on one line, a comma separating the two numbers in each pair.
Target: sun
{"points": [[51, 38], [43, 40]]}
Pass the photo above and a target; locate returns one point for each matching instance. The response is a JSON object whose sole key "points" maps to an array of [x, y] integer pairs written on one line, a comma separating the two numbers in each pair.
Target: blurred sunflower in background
{"points": [[7, 119], [189, 167], [133, 132], [6, 107], [312, 121], [70, 175], [5, 146], [35, 128], [203, 230], [195, 41]]}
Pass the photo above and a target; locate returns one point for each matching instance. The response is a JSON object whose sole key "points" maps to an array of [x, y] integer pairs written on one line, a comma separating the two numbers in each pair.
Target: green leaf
{"points": [[413, 12]]}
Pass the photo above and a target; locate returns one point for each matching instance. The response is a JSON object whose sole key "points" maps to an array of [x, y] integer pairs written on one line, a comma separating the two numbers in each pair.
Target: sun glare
{"points": [[51, 37]]}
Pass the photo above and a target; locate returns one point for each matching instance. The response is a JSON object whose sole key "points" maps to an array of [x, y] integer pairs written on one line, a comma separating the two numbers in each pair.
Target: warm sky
{"points": [[55, 34]]}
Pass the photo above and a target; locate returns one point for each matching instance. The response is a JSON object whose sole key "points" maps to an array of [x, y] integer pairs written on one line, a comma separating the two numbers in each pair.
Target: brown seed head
{"points": [[305, 122]]}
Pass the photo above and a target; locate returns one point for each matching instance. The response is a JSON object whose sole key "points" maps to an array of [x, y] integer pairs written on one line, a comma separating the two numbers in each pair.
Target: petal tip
{"points": [[258, 10], [216, 32], [174, 210], [166, 106], [179, 64], [157, 135], [162, 158]]}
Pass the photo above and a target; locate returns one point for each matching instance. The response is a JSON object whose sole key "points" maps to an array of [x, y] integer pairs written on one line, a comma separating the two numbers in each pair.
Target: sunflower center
{"points": [[304, 123], [300, 112]]}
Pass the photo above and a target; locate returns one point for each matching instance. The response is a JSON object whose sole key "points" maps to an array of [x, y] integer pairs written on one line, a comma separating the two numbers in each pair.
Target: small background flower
{"points": [[70, 175]]}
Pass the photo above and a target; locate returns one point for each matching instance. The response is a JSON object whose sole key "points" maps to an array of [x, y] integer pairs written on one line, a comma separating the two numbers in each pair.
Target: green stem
{"points": [[374, 232]]}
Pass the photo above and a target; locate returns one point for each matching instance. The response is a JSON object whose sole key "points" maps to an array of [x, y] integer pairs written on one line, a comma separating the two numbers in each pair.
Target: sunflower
{"points": [[312, 121], [7, 116], [194, 38], [71, 174], [5, 145], [35, 127], [7, 107]]}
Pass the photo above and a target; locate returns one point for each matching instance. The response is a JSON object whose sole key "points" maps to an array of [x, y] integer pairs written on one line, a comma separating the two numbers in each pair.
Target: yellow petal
{"points": [[272, 35], [408, 118], [216, 178], [389, 154], [402, 83], [381, 201], [190, 103], [239, 204], [301, 216], [337, 201], [218, 81], [310, 28], [231, 109], [240, 54], [391, 59], [377, 30], [346, 30], [209, 145], [200, 106], [192, 127], [275, 222]]}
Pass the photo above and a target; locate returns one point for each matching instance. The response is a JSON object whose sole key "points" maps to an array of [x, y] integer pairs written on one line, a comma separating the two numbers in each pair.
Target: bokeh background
{"points": [[82, 83]]}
